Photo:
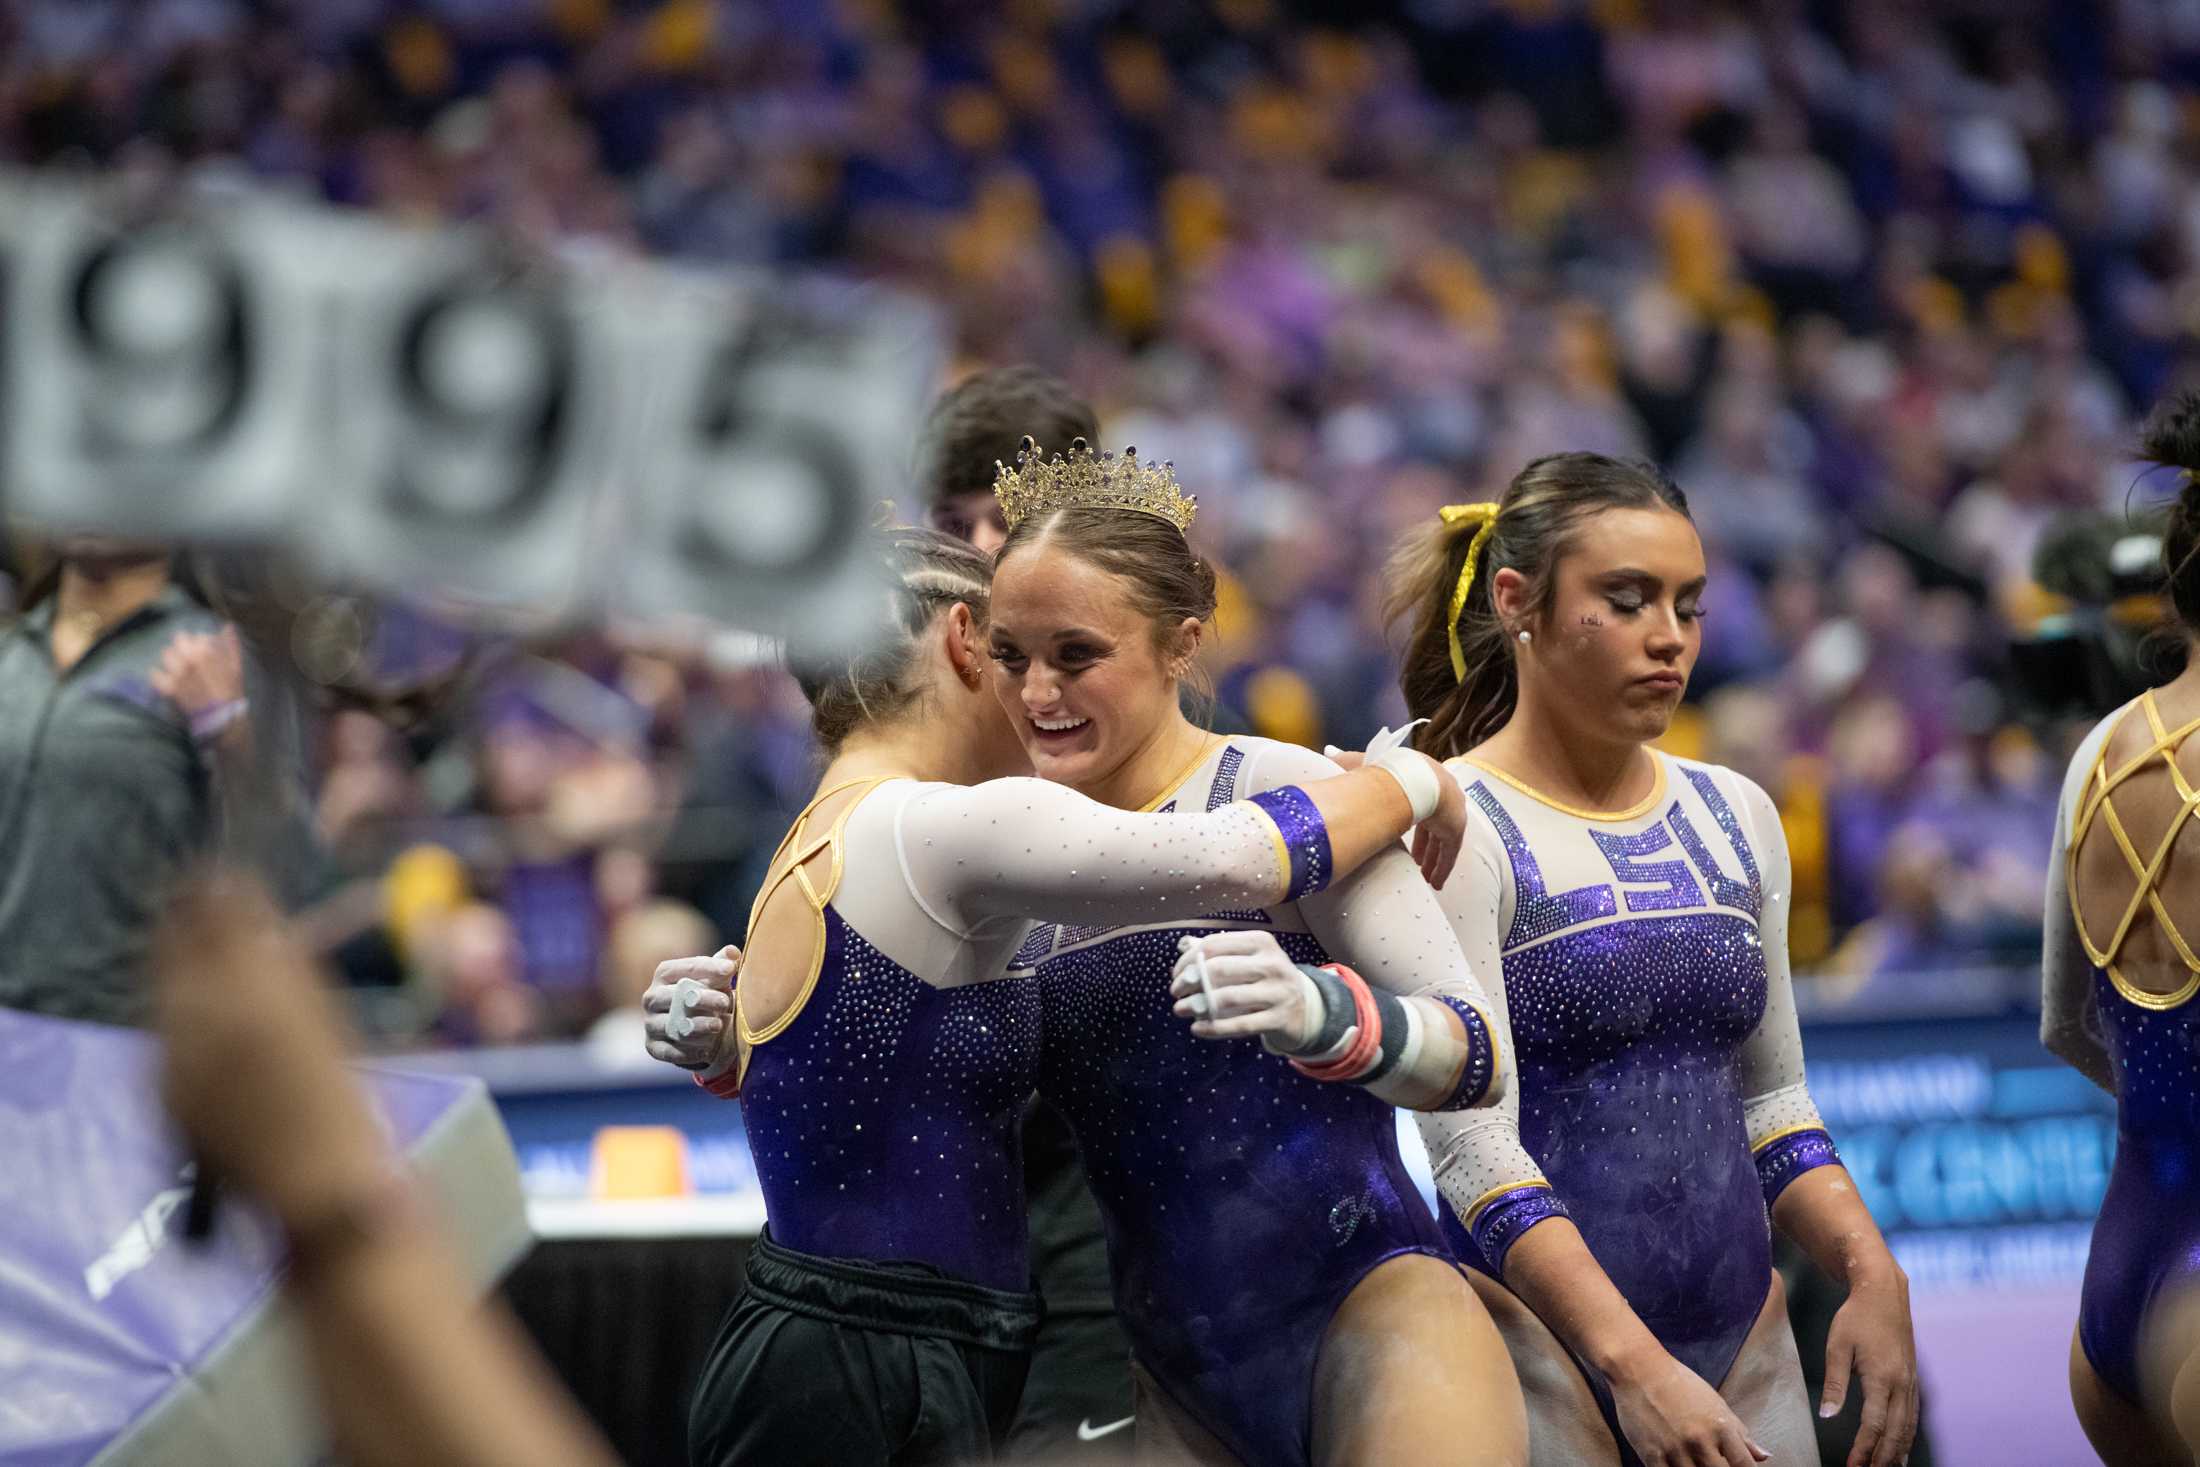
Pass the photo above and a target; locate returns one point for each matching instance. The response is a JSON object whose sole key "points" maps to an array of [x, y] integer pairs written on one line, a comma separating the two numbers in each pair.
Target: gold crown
{"points": [[1081, 478]]}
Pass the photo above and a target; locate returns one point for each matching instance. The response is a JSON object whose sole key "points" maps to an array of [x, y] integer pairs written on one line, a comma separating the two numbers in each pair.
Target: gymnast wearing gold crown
{"points": [[1288, 1297], [881, 1075]]}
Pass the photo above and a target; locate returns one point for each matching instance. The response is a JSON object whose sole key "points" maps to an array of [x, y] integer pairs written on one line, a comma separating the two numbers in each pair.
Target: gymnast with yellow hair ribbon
{"points": [[1484, 518], [1628, 911]]}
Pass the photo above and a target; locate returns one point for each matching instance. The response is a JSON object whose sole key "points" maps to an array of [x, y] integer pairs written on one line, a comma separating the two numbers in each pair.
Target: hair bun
{"points": [[2172, 435], [2172, 439]]}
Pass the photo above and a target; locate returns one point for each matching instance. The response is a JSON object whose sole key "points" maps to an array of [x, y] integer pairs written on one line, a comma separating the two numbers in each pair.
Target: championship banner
{"points": [[425, 412], [119, 1344]]}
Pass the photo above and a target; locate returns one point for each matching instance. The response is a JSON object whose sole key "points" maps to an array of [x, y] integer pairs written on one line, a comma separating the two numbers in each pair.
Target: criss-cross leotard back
{"points": [[2145, 1253], [2097, 801], [881, 1108]]}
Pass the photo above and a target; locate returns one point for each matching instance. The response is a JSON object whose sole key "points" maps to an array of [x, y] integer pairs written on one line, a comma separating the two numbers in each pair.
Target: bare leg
{"points": [[2172, 1381], [1165, 1434], [1765, 1384], [2118, 1430], [1413, 1370], [1565, 1426], [2184, 1402]]}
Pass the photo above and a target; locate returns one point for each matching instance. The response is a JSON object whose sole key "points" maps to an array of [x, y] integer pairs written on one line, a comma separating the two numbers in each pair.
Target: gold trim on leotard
{"points": [[1600, 817], [1482, 1203], [1176, 782], [1783, 1133], [1283, 848], [2099, 784], [799, 869], [2147, 998]]}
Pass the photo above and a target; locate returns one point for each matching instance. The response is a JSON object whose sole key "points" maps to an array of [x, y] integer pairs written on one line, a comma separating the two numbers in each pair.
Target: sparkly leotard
{"points": [[882, 1106], [1242, 1201], [1642, 957], [2143, 1047]]}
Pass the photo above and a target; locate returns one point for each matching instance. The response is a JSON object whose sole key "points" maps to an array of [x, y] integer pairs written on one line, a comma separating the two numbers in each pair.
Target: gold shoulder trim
{"points": [[1176, 780], [1648, 802], [2144, 998], [1781, 1135]]}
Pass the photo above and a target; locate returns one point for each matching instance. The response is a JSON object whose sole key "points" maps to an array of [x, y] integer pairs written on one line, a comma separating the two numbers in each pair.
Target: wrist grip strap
{"points": [[1416, 776], [1339, 1009], [1366, 1050]]}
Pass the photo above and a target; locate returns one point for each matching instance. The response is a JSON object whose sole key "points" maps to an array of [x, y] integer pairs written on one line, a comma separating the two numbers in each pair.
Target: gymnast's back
{"points": [[884, 1077], [887, 1058], [2120, 982]]}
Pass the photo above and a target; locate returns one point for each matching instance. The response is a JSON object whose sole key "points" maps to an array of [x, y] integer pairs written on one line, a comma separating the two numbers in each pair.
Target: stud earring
{"points": [[1526, 637]]}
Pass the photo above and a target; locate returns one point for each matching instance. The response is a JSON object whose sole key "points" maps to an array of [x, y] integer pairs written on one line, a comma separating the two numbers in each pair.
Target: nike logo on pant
{"points": [[1087, 1432]]}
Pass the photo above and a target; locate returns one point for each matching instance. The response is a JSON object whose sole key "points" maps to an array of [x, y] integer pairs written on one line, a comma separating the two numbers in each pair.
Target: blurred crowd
{"points": [[1885, 285]]}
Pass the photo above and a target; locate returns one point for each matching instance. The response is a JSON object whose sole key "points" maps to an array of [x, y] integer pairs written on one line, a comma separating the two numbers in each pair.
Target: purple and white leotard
{"points": [[883, 1106], [1640, 959], [1242, 1201]]}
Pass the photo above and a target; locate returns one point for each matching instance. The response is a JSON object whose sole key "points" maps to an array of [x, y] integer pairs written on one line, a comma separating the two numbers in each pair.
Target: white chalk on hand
{"points": [[1199, 968], [679, 1024]]}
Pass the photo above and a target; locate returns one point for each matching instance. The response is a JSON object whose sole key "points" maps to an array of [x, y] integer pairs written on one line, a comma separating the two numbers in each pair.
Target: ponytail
{"points": [[1457, 669]]}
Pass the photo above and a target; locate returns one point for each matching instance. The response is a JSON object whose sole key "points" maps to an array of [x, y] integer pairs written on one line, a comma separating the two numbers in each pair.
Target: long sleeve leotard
{"points": [[1242, 1201], [1638, 960], [882, 1105]]}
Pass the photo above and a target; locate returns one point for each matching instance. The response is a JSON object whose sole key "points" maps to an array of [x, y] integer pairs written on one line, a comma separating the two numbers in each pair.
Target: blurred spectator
{"points": [[1794, 220], [1748, 480], [474, 965], [1881, 283], [1930, 918], [364, 782], [1873, 752], [646, 936]]}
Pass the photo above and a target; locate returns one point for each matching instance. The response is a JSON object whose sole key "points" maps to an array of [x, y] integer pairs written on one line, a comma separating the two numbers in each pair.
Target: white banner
{"points": [[416, 410], [159, 373], [777, 421]]}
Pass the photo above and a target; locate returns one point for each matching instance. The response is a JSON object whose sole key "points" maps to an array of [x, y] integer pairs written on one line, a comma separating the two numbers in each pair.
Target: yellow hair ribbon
{"points": [[1484, 518]]}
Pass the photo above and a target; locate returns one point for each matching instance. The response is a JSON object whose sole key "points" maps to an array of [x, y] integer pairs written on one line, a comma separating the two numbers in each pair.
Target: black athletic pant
{"points": [[1077, 1398], [837, 1363]]}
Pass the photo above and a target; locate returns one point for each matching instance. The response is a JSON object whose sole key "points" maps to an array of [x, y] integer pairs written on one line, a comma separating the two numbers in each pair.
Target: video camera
{"points": [[2114, 636]]}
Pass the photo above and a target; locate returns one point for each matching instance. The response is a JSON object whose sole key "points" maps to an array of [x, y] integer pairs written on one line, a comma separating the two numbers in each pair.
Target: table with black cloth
{"points": [[623, 1297], [626, 1323]]}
